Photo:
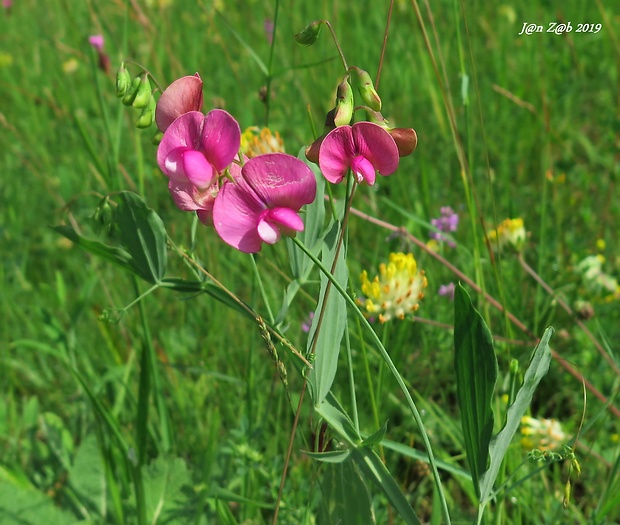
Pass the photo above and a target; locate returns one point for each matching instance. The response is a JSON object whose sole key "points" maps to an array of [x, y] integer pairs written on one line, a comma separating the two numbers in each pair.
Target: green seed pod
{"points": [[344, 103], [366, 89], [144, 93], [310, 34], [147, 116], [123, 81], [131, 93], [157, 138]]}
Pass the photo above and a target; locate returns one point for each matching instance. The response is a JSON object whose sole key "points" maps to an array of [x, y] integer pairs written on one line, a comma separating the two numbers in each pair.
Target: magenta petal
{"points": [[287, 219], [280, 180], [197, 169], [236, 215], [221, 138], [377, 145], [180, 97], [183, 195], [337, 149], [364, 170], [184, 132]]}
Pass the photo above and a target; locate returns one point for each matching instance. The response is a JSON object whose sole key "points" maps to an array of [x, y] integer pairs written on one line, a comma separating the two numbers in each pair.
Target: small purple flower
{"points": [[97, 42], [269, 29], [305, 326], [447, 290], [448, 222]]}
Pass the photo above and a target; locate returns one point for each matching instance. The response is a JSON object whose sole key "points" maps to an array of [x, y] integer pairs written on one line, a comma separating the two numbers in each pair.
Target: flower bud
{"points": [[144, 93], [131, 92], [366, 89], [147, 116], [159, 135], [123, 81], [344, 104], [310, 34], [406, 138]]}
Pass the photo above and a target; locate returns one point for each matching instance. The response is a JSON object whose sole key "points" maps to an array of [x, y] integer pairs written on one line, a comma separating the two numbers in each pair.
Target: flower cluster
{"points": [[543, 434], [396, 291], [448, 222], [510, 233], [248, 201], [597, 283]]}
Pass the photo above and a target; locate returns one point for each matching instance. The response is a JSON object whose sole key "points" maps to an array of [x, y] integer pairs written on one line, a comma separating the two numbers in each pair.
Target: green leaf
{"points": [[338, 420], [537, 369], [87, 476], [113, 254], [332, 456], [374, 469], [326, 337], [346, 499], [164, 480], [143, 234], [475, 366], [377, 437]]}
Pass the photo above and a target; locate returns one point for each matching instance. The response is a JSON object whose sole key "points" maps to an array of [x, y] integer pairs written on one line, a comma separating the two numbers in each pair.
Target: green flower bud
{"points": [[123, 81], [147, 116], [131, 93], [344, 103], [366, 89], [144, 93], [310, 34], [157, 138]]}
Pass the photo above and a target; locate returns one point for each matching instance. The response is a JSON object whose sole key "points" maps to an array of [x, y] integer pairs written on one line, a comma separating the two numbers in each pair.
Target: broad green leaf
{"points": [[20, 506], [374, 469], [345, 497], [537, 369], [377, 437], [326, 340], [142, 233], [475, 366], [113, 254], [164, 480], [87, 476]]}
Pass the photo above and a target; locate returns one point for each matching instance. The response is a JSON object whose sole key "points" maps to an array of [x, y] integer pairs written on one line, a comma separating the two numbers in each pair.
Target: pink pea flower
{"points": [[364, 147], [263, 202], [447, 290], [180, 97], [197, 148]]}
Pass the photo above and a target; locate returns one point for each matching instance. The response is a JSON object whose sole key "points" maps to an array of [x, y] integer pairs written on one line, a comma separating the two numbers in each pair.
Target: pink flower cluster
{"points": [[248, 201]]}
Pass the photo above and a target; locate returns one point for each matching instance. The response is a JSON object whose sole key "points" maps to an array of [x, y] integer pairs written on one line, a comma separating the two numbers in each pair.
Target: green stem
{"points": [[386, 357]]}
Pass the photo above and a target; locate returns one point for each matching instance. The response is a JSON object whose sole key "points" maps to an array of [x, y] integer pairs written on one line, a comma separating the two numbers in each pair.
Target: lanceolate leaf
{"points": [[143, 234], [537, 369], [325, 337], [475, 366]]}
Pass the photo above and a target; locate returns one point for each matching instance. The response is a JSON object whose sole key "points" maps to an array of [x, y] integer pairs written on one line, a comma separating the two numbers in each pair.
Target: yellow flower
{"points": [[510, 232], [396, 291], [255, 141], [543, 434]]}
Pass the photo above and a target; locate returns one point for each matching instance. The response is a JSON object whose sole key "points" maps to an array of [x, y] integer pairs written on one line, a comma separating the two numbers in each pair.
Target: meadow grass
{"points": [[104, 410]]}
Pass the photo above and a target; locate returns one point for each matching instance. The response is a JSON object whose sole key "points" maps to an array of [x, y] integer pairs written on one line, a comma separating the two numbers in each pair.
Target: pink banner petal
{"points": [[221, 138], [336, 152], [377, 145]]}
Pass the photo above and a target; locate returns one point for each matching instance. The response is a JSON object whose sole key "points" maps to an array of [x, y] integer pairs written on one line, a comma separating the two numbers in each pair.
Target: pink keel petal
{"points": [[184, 132], [180, 97], [197, 169], [268, 231], [278, 221], [221, 139], [287, 218], [364, 170], [377, 145], [174, 166]]}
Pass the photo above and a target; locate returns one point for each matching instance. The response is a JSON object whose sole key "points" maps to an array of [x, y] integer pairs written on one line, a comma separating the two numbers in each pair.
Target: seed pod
{"points": [[123, 81], [309, 34]]}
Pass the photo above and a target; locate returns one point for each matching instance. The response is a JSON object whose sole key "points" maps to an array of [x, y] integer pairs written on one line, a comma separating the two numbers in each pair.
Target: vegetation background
{"points": [[537, 123]]}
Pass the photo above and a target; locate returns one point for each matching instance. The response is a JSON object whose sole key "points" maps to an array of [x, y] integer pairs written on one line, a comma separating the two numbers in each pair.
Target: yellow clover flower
{"points": [[255, 141], [396, 291], [543, 434], [510, 232]]}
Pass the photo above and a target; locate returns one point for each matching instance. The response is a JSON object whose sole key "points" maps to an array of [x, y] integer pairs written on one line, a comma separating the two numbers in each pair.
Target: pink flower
{"points": [[195, 150], [180, 97], [97, 42], [263, 202], [364, 147]]}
